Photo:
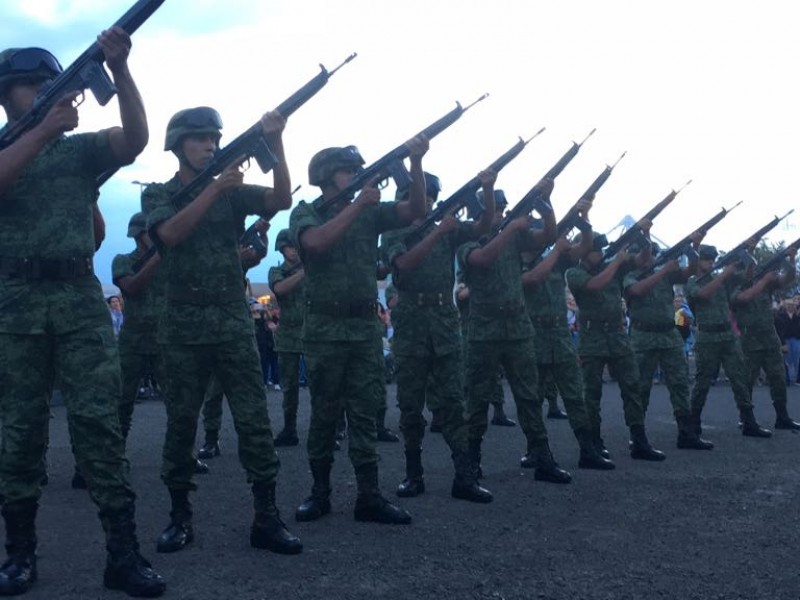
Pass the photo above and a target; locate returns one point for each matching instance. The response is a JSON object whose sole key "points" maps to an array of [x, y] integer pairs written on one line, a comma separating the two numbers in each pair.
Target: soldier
{"points": [[339, 250], [657, 341], [55, 325], [597, 288], [761, 345], [500, 334], [427, 343], [716, 342], [287, 282], [199, 243], [556, 358]]}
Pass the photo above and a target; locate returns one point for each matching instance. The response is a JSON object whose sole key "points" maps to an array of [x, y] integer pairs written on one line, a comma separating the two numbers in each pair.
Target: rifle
{"points": [[740, 252], [774, 263], [391, 164], [86, 72], [685, 245], [533, 199], [465, 195], [251, 143], [635, 233]]}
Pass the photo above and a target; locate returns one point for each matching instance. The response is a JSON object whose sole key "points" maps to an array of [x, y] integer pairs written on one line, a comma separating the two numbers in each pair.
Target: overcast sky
{"points": [[691, 90]]}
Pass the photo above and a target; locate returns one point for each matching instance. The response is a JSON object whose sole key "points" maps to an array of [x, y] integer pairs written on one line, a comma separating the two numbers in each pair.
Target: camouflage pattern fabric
{"points": [[212, 405], [289, 368], [288, 337]]}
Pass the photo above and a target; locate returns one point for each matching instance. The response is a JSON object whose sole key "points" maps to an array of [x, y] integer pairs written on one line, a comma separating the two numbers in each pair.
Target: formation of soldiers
{"points": [[187, 319]]}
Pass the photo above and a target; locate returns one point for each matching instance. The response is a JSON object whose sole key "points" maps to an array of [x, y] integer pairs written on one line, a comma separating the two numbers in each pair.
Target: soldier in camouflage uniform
{"points": [[500, 334], [55, 325], [556, 359], [657, 341], [287, 282], [709, 296], [199, 243], [427, 343], [339, 249], [597, 288], [761, 345]]}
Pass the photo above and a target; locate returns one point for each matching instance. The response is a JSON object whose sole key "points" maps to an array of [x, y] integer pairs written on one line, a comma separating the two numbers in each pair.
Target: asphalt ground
{"points": [[701, 525]]}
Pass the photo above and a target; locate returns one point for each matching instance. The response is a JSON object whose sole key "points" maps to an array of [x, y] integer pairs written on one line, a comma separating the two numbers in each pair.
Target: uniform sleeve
{"points": [[387, 217], [465, 233], [249, 200], [577, 279], [392, 245], [302, 218], [157, 198], [96, 151], [462, 255], [691, 287], [275, 275], [629, 280], [121, 266]]}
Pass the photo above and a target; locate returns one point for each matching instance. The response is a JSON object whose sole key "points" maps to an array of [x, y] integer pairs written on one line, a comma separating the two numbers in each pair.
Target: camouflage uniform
{"points": [[55, 325], [138, 347], [206, 328]]}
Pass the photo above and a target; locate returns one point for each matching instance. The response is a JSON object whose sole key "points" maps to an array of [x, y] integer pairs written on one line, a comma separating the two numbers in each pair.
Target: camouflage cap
{"points": [[137, 225]]}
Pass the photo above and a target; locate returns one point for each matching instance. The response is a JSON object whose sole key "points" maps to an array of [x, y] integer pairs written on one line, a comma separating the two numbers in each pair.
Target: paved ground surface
{"points": [[702, 525]]}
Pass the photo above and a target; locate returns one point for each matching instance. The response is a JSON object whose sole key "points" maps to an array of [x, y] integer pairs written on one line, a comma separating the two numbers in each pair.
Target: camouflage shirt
{"points": [[204, 295], [547, 308], [143, 310], [343, 276], [288, 335], [757, 323], [425, 318], [47, 213], [496, 301], [713, 313], [653, 315]]}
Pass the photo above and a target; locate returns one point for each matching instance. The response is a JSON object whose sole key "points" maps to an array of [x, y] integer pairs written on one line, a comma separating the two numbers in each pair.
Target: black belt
{"points": [[653, 327], [548, 322], [203, 296], [45, 268], [602, 325], [355, 309], [715, 328], [427, 298]]}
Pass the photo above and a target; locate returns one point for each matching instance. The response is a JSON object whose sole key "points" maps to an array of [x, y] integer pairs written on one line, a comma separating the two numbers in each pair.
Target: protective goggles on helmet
{"points": [[28, 60], [199, 118]]}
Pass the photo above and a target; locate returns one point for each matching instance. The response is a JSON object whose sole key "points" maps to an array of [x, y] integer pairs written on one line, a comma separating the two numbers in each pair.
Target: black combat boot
{"points": [[384, 434], [590, 458], [179, 533], [126, 569], [319, 502], [783, 420], [750, 426], [210, 448], [18, 573], [465, 483], [554, 412], [500, 417], [641, 448], [600, 444], [269, 531], [370, 505], [413, 484], [288, 436], [540, 457], [200, 468], [687, 435], [474, 451]]}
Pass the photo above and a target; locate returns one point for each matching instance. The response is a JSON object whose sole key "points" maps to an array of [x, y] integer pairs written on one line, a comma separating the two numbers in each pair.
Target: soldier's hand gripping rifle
{"points": [[636, 233], [534, 198], [86, 72], [252, 143], [465, 195], [391, 164], [775, 263], [684, 247], [740, 252]]}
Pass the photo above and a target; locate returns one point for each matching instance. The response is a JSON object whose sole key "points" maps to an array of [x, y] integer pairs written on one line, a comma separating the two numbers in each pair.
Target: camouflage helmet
{"points": [[432, 188], [599, 241], [27, 63], [707, 252], [326, 162], [137, 225], [283, 239], [499, 198], [192, 121], [475, 209]]}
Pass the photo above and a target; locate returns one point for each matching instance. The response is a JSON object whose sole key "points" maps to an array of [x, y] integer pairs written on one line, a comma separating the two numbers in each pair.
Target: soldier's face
{"points": [[593, 258], [704, 265], [20, 96], [289, 253], [199, 149], [343, 177]]}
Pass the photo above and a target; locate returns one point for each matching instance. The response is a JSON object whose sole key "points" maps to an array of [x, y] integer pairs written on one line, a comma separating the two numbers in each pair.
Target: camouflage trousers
{"points": [[135, 365], [769, 360], [709, 357], [86, 365], [237, 366], [289, 368], [564, 377], [437, 381], [344, 376], [517, 357], [627, 375], [676, 376], [212, 405]]}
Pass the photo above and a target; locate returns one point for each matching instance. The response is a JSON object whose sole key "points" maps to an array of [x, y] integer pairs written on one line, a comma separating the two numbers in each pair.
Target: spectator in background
{"points": [[115, 307], [684, 319], [787, 324]]}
